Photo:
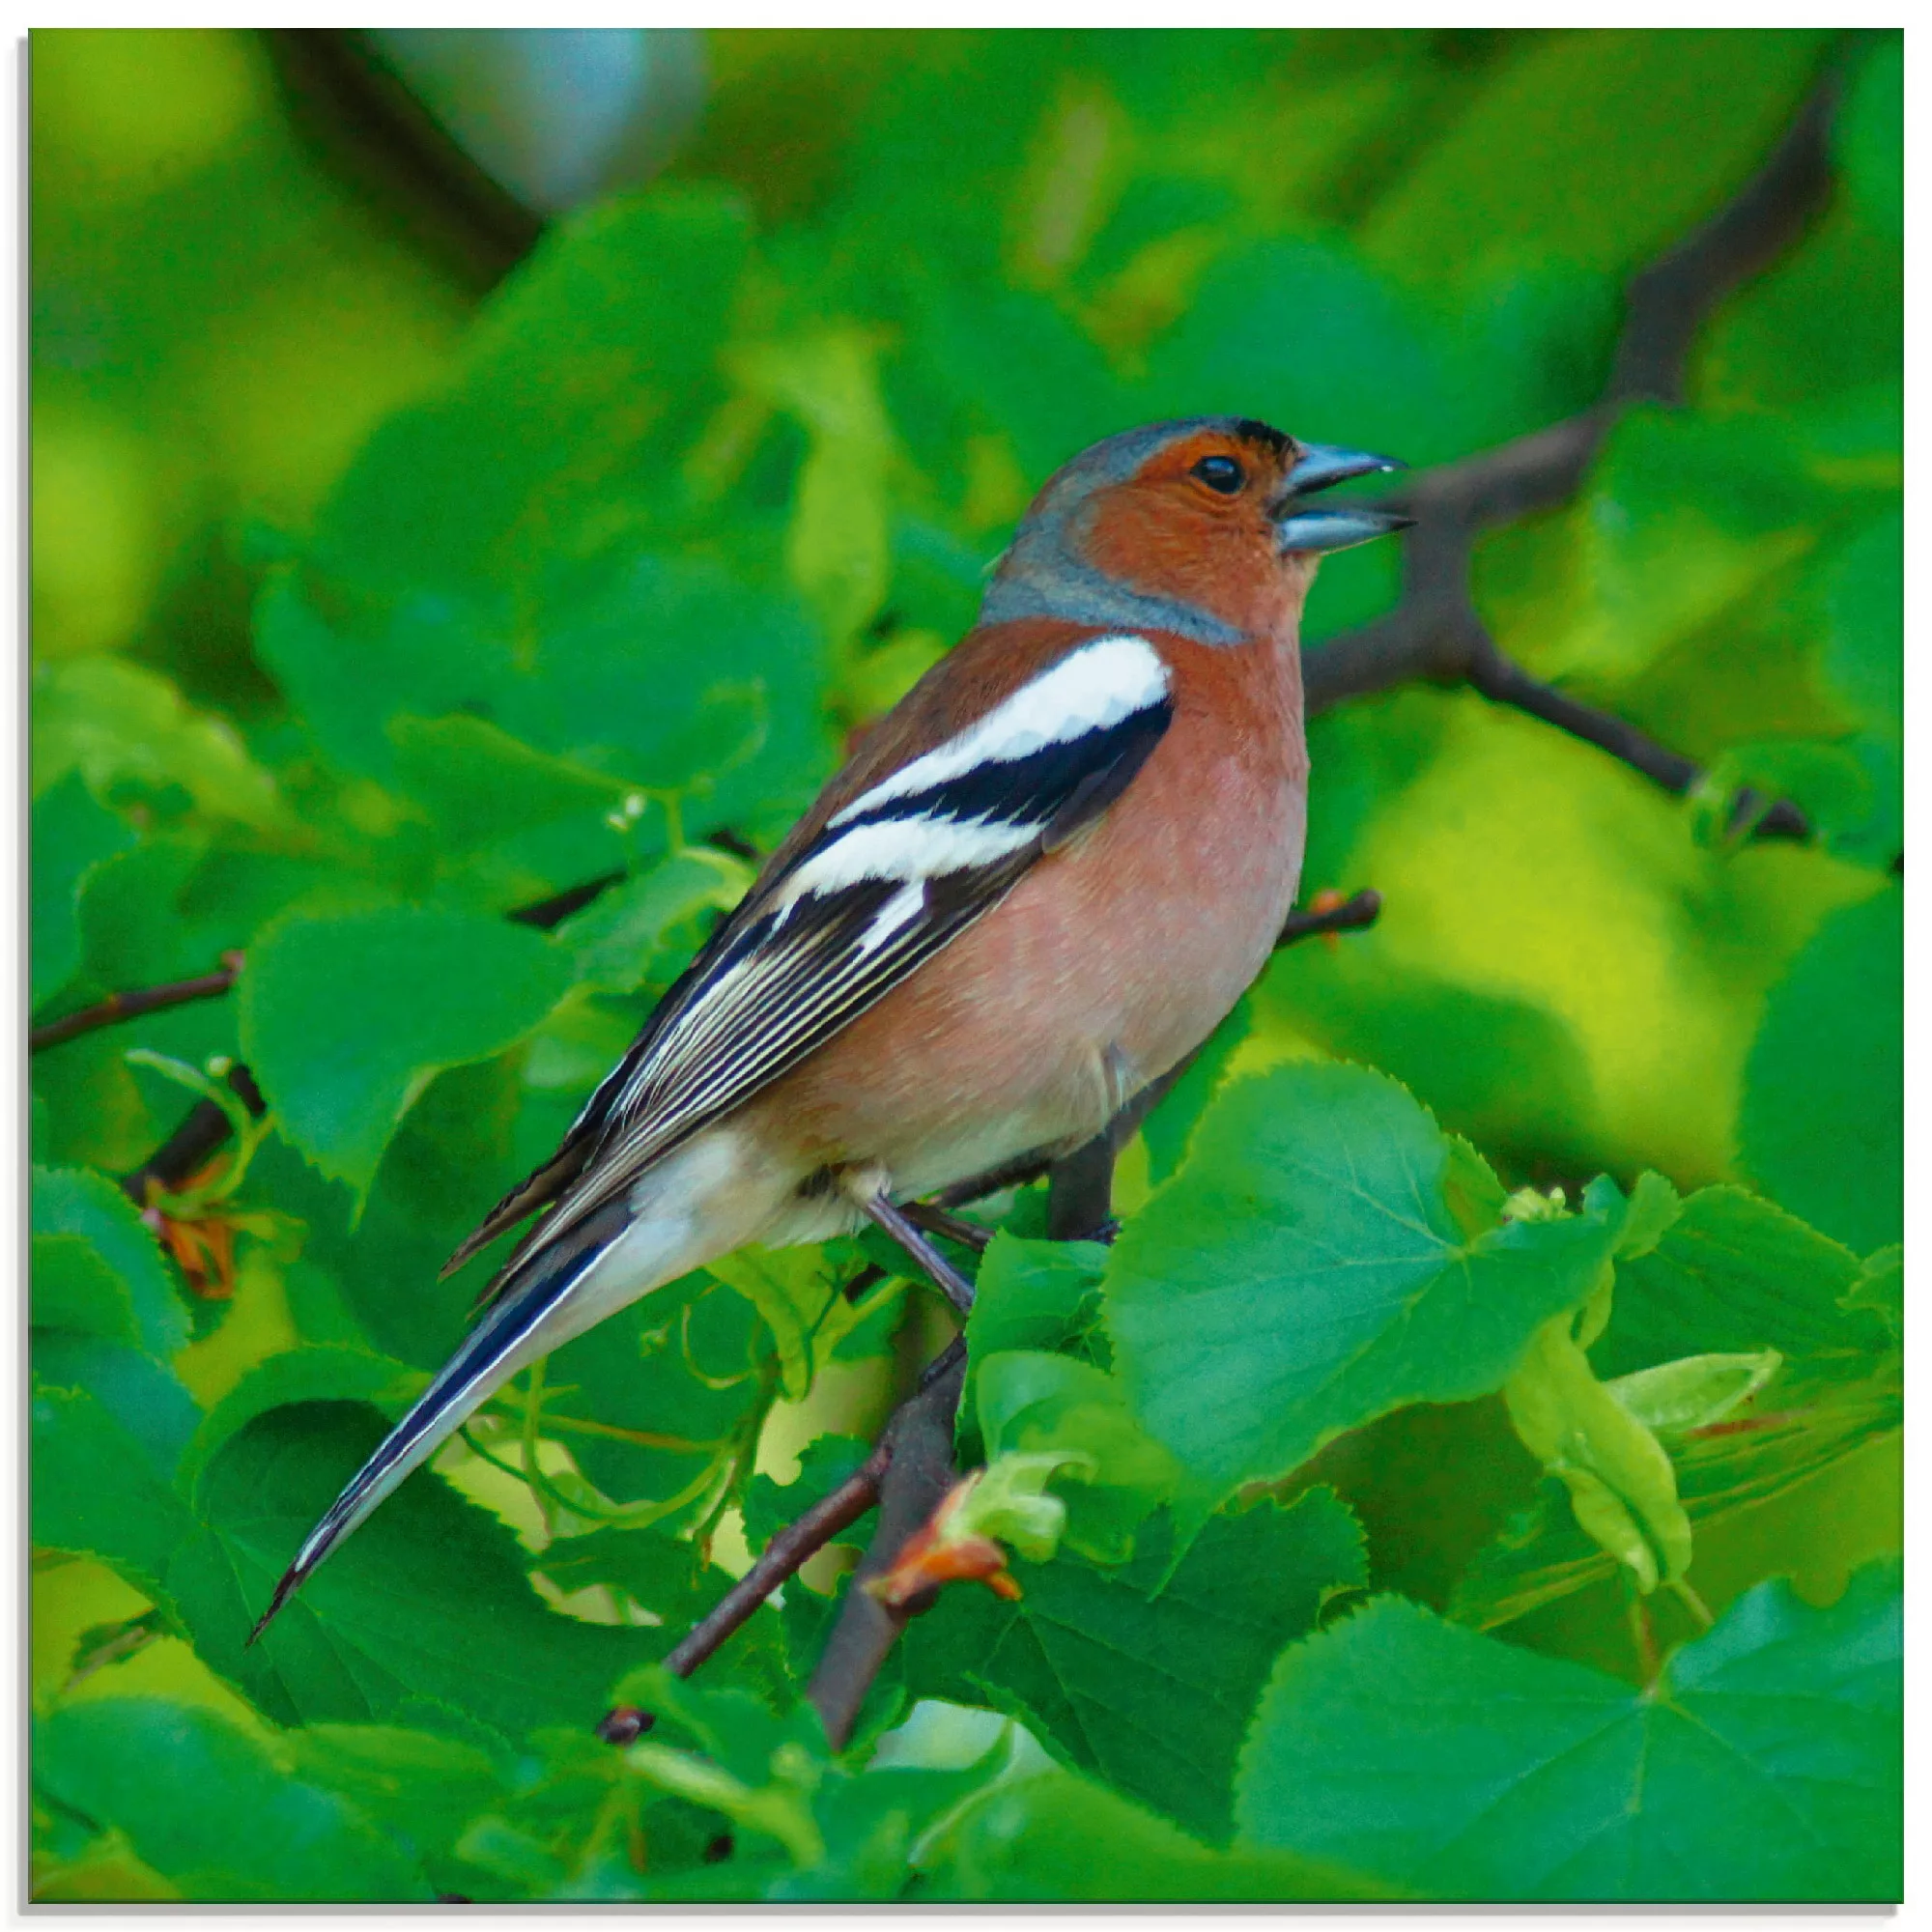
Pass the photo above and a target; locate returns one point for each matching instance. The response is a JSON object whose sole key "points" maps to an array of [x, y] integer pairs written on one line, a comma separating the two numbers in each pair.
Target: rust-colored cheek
{"points": [[1197, 555]]}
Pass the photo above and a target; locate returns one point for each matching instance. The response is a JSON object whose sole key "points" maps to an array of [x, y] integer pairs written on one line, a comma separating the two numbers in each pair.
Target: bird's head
{"points": [[1202, 525]]}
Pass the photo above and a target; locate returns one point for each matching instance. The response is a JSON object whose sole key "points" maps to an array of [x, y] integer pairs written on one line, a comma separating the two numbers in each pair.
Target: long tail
{"points": [[535, 1315]]}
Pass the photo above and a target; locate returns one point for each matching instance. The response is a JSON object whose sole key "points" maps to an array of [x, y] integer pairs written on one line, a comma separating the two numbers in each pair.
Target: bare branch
{"points": [[191, 1145], [133, 1004], [916, 1480]]}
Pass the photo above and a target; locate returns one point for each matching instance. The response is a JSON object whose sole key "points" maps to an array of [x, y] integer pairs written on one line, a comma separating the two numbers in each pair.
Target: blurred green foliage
{"points": [[366, 612]]}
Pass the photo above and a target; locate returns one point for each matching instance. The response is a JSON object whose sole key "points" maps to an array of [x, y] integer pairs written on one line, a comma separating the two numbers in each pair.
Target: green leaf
{"points": [[211, 1808], [422, 1788], [1694, 1391], [1881, 1287], [72, 831], [96, 1493], [99, 1233], [1026, 1401], [1734, 1274], [1621, 1487], [123, 725], [616, 937], [478, 782], [1041, 1296], [297, 1375], [1766, 1766], [1303, 1274], [662, 1574], [823, 1464], [426, 1608], [1143, 1677], [1609, 202], [1868, 138], [1820, 1124], [77, 1290], [1864, 642], [345, 1019], [1058, 1837]]}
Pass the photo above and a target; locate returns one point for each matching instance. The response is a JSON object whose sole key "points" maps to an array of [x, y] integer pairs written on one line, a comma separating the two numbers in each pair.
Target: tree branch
{"points": [[189, 1149], [916, 1482], [1436, 632], [133, 1004]]}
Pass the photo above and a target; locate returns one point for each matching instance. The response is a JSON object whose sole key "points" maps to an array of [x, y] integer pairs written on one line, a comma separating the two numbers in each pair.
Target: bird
{"points": [[1035, 884]]}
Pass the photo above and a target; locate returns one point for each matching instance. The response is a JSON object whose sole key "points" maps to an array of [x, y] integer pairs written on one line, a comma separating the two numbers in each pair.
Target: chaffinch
{"points": [[1039, 881]]}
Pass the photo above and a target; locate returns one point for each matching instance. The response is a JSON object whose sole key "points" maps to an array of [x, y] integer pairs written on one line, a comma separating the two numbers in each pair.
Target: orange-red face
{"points": [[1199, 520], [1213, 513]]}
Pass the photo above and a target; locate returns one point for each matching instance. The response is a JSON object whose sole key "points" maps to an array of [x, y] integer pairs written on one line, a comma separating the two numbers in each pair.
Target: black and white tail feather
{"points": [[889, 879]]}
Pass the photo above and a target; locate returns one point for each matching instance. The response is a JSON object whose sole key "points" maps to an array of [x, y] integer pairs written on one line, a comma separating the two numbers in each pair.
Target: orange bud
{"points": [[939, 1551]]}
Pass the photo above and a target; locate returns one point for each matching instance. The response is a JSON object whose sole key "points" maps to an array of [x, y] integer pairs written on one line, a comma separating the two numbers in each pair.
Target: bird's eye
{"points": [[1221, 472]]}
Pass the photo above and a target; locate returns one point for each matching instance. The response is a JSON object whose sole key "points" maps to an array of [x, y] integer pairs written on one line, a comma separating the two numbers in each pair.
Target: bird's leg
{"points": [[936, 1220], [869, 1192]]}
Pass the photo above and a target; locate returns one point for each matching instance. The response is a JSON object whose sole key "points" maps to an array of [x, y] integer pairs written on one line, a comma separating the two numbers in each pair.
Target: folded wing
{"points": [[889, 879]]}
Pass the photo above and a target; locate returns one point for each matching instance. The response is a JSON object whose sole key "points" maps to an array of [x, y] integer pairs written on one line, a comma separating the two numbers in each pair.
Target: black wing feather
{"points": [[776, 982]]}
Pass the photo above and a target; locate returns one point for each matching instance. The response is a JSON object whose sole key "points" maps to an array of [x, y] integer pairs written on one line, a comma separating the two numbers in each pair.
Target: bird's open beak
{"points": [[1338, 525]]}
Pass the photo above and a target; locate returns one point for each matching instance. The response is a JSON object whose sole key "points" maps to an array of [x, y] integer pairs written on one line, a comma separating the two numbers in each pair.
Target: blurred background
{"points": [[470, 465]]}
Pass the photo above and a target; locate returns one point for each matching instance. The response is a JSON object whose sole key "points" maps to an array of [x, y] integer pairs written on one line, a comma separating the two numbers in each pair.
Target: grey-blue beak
{"points": [[1333, 526]]}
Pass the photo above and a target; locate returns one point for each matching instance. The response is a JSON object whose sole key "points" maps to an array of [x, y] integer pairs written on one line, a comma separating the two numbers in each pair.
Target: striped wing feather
{"points": [[886, 882]]}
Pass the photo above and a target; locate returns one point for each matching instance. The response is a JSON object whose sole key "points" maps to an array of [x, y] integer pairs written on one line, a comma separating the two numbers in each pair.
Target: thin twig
{"points": [[139, 999], [552, 912], [189, 1149], [1352, 915], [782, 1557]]}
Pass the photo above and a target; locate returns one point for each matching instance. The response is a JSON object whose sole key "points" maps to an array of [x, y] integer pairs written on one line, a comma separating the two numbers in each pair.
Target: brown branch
{"points": [[782, 1557], [548, 914], [133, 1004], [905, 1444], [916, 1480], [189, 1149], [1436, 632]]}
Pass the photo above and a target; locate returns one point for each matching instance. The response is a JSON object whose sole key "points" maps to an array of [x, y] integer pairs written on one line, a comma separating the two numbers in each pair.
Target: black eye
{"points": [[1222, 473]]}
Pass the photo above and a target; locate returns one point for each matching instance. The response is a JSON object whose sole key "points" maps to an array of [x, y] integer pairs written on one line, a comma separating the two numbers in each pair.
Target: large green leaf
{"points": [[1305, 1271], [345, 1019], [426, 1608], [72, 831], [214, 1810], [1733, 1273], [1765, 1766], [1144, 1677], [104, 1270], [1606, 201], [1822, 1118], [1056, 1838], [98, 1491]]}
